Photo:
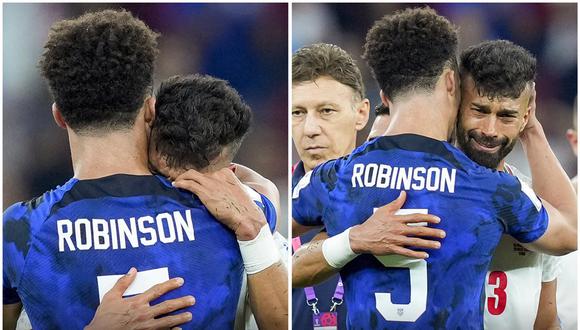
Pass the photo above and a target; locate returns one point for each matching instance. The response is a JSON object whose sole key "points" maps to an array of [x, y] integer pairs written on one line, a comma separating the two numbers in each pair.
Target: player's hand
{"points": [[386, 233], [226, 199], [116, 312], [533, 121]]}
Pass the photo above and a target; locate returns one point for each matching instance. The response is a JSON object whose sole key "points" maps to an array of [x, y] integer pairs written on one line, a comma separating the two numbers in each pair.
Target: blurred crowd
{"points": [[549, 31], [246, 44]]}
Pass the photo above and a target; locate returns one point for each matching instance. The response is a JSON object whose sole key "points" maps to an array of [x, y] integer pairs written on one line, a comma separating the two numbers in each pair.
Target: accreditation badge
{"points": [[325, 321]]}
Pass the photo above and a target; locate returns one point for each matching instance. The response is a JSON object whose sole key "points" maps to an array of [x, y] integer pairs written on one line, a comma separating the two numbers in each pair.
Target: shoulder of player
{"points": [[34, 211], [501, 177], [23, 210]]}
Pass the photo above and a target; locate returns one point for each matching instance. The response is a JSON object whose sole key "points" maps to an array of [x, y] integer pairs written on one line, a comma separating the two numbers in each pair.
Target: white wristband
{"points": [[259, 253], [337, 250]]}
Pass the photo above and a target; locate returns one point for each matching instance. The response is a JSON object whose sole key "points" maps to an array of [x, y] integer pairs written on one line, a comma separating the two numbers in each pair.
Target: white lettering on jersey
{"points": [[405, 178], [114, 234]]}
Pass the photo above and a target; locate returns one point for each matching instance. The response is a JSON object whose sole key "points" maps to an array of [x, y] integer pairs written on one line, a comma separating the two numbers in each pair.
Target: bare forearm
{"points": [[547, 317], [550, 181], [309, 266], [268, 292], [10, 314]]}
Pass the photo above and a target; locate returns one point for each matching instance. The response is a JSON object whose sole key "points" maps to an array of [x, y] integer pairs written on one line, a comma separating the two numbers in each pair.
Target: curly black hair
{"points": [[99, 69], [318, 60], [409, 50], [197, 116], [499, 68]]}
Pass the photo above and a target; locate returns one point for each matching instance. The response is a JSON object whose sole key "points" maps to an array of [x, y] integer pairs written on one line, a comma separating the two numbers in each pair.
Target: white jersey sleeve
{"points": [[550, 267]]}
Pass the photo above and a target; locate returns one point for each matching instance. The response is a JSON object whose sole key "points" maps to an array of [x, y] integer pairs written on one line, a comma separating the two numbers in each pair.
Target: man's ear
{"points": [[57, 115], [450, 83], [149, 110], [362, 114]]}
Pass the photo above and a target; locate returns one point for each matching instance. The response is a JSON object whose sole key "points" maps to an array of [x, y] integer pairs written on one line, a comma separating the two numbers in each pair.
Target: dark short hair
{"points": [[318, 60], [197, 116], [381, 110], [99, 68], [499, 68], [409, 50]]}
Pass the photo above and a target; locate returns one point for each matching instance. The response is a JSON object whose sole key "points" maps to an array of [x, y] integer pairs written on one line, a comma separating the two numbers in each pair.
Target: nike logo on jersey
{"points": [[406, 178], [100, 234]]}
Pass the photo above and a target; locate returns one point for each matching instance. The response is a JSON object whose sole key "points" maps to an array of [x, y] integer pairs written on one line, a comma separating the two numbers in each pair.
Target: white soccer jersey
{"points": [[513, 284], [514, 281]]}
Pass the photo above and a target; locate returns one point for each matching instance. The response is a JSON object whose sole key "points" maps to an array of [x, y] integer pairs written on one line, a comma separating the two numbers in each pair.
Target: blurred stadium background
{"points": [[547, 30], [246, 44]]}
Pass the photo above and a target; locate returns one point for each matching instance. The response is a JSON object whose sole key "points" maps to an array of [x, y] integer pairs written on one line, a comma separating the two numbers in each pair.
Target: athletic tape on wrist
{"points": [[337, 250], [259, 253]]}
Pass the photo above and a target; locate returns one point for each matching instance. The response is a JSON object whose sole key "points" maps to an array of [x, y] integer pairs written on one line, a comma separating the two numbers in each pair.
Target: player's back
{"points": [[60, 248], [476, 206]]}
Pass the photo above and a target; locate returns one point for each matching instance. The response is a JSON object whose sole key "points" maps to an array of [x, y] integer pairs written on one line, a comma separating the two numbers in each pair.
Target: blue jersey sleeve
{"points": [[16, 242], [265, 205], [269, 211], [9, 294], [520, 210], [311, 195]]}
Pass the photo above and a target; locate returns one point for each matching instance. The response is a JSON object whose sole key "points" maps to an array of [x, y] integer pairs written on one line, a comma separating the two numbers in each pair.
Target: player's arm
{"points": [[225, 197], [299, 229], [116, 312], [310, 196], [552, 185], [382, 234], [259, 183], [547, 316], [13, 262], [10, 314]]}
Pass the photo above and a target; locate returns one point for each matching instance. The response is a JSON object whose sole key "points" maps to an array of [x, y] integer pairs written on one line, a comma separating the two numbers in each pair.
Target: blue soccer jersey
{"points": [[60, 249], [477, 205]]}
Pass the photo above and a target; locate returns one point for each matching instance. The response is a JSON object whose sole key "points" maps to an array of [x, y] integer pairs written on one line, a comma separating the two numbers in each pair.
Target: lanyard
{"points": [[311, 299]]}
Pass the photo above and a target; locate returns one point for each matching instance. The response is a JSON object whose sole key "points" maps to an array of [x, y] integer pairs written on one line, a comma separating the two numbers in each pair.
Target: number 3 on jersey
{"points": [[418, 284], [496, 300]]}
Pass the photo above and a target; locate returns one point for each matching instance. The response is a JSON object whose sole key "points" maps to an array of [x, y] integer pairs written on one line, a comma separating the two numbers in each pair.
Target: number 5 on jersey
{"points": [[418, 283]]}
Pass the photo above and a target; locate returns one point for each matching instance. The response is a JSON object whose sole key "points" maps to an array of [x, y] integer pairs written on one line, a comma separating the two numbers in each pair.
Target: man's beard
{"points": [[483, 158]]}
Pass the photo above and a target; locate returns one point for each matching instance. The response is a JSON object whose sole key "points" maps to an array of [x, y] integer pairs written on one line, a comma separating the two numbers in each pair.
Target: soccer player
{"points": [[66, 247], [328, 109], [495, 79], [200, 123], [412, 54]]}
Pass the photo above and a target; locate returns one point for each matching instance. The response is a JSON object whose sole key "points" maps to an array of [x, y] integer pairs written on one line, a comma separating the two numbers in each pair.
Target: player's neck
{"points": [[421, 115], [501, 166], [123, 152]]}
